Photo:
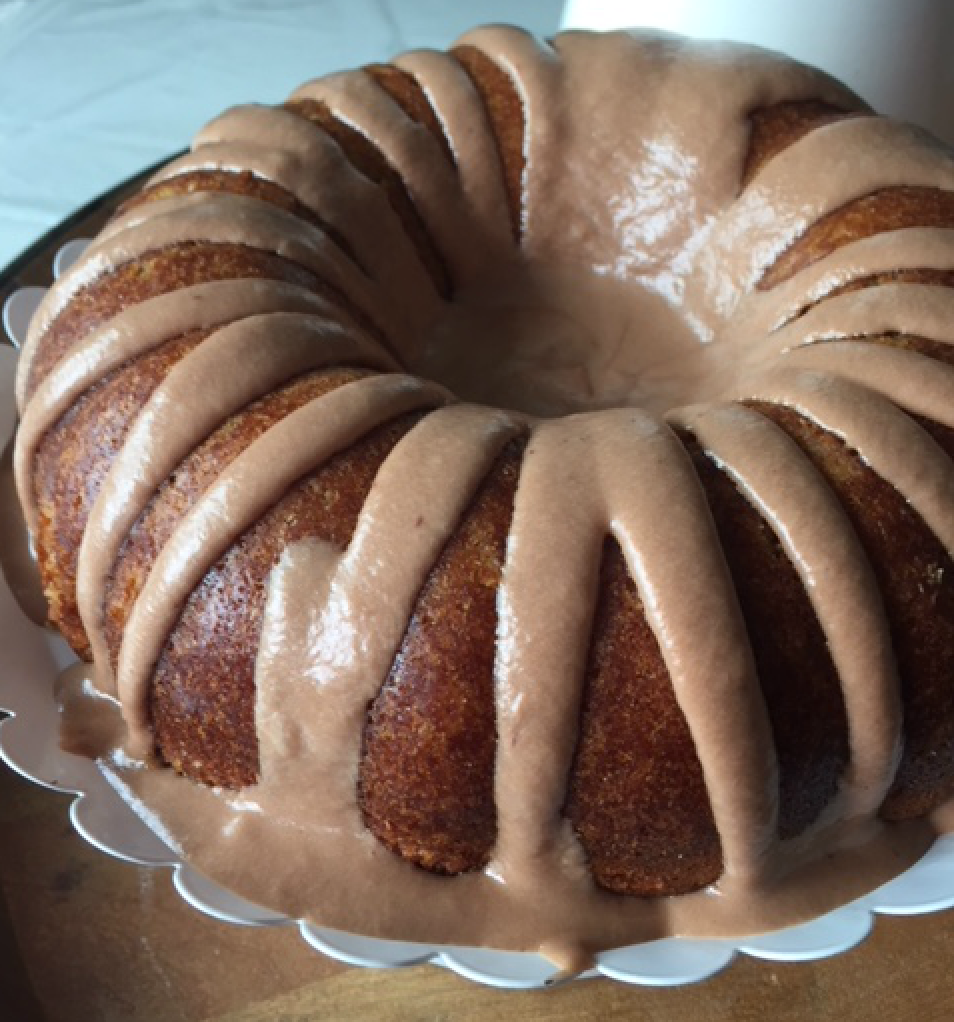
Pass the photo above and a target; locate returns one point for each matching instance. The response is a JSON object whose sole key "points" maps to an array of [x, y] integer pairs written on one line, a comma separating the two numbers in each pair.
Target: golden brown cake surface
{"points": [[517, 483]]}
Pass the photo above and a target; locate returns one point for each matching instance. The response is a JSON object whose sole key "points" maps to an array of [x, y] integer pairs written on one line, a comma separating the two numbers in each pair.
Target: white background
{"points": [[93, 90]]}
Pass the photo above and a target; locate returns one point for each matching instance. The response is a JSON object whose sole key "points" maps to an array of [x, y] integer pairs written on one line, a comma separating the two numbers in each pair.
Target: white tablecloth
{"points": [[93, 90]]}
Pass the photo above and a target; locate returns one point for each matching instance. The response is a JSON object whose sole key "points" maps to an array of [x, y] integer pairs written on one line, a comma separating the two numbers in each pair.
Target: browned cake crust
{"points": [[802, 690], [636, 791], [777, 127], [237, 183], [427, 774], [69, 474], [367, 159], [157, 273], [637, 798], [404, 89], [157, 523], [914, 575], [890, 209], [203, 699], [505, 114]]}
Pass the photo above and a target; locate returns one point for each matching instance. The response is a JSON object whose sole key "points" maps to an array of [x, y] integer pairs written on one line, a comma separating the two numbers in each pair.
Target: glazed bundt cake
{"points": [[515, 485]]}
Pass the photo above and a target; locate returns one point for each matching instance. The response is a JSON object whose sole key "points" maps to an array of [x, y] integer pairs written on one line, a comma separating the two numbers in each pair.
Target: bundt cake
{"points": [[512, 490]]}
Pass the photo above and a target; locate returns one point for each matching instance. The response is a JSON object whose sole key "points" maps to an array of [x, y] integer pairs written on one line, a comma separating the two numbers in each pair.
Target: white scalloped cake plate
{"points": [[31, 658]]}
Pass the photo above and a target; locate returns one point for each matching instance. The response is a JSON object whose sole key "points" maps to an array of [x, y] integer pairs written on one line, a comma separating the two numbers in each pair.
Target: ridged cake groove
{"points": [[888, 209], [504, 109], [775, 477], [270, 177], [411, 97], [776, 127], [445, 689], [177, 417], [370, 161], [913, 572]]}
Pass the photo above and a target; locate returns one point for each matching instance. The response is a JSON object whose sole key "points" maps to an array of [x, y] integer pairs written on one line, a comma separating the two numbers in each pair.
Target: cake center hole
{"points": [[553, 341]]}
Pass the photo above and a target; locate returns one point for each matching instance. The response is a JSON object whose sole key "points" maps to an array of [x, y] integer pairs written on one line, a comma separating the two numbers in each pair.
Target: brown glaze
{"points": [[510, 684], [935, 278], [367, 158], [158, 273], [800, 684], [206, 671], [192, 477], [888, 209], [938, 350], [914, 575], [239, 183]]}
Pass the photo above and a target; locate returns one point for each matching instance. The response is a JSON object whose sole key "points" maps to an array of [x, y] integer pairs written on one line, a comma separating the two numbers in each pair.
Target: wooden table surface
{"points": [[91, 939], [84, 938]]}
